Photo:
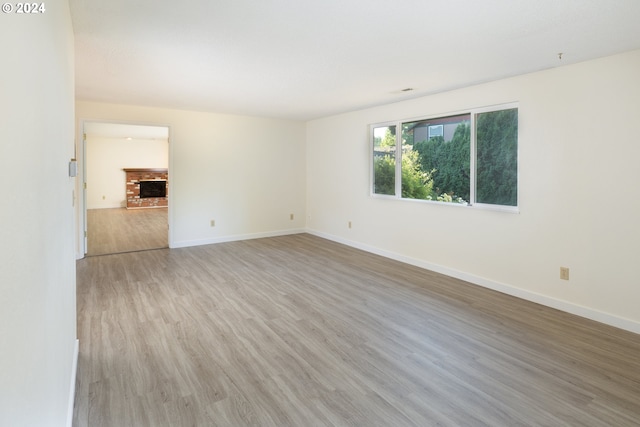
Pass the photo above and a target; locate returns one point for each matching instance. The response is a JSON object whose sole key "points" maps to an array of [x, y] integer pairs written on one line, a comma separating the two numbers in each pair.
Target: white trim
{"points": [[398, 164], [171, 196], [371, 144], [113, 206], [473, 160], [566, 306], [472, 113], [234, 238], [81, 227], [72, 386]]}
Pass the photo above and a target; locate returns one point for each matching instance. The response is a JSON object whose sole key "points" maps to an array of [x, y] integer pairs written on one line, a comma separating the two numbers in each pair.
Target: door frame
{"points": [[81, 183]]}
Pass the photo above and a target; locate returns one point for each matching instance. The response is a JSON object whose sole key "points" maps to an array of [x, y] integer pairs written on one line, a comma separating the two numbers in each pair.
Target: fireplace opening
{"points": [[154, 188]]}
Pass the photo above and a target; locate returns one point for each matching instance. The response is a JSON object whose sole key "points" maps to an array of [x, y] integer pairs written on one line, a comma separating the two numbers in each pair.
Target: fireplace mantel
{"points": [[133, 178], [158, 170]]}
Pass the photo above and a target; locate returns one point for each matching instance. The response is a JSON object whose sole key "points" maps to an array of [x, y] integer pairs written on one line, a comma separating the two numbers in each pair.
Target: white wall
{"points": [[37, 263], [579, 198], [246, 173], [106, 157]]}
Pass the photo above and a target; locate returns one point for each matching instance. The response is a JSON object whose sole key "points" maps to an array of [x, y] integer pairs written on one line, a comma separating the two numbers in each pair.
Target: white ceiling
{"points": [[302, 59]]}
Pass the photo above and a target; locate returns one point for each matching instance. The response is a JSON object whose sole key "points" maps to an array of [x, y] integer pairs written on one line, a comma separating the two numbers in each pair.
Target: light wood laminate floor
{"points": [[301, 331], [118, 230]]}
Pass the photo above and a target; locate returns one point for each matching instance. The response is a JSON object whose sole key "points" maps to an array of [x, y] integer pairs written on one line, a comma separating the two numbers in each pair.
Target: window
{"points": [[437, 165], [469, 158], [384, 154], [436, 130], [497, 157]]}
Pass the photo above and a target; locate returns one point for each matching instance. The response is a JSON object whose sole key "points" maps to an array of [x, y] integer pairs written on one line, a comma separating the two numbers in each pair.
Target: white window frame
{"points": [[473, 112], [398, 171]]}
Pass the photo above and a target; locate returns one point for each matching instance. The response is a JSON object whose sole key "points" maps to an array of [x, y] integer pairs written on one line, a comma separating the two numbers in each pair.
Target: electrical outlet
{"points": [[291, 217], [213, 222], [564, 273]]}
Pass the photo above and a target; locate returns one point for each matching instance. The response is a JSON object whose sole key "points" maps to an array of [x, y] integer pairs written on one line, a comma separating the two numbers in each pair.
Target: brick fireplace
{"points": [[133, 179]]}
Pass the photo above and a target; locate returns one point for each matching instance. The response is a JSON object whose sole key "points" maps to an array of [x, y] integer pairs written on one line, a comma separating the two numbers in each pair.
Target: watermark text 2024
{"points": [[24, 8]]}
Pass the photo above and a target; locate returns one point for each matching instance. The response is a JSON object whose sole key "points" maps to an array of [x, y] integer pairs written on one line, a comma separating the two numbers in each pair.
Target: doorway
{"points": [[116, 218]]}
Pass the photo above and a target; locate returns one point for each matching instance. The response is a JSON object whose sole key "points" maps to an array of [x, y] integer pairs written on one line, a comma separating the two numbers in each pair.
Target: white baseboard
{"points": [[586, 312], [108, 206], [233, 238], [72, 387]]}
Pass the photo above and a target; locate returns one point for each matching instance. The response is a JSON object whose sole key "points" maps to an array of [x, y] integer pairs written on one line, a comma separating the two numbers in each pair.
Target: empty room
{"points": [[382, 213]]}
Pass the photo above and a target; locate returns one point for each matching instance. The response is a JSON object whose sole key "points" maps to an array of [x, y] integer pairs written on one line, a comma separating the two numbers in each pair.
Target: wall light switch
{"points": [[73, 168]]}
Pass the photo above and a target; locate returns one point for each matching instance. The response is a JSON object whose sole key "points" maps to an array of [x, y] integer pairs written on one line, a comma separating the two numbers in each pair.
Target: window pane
{"points": [[436, 159], [384, 160], [497, 157]]}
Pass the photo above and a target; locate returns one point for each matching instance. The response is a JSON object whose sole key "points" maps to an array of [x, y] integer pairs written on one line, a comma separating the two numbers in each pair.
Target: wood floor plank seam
{"points": [[301, 331]]}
